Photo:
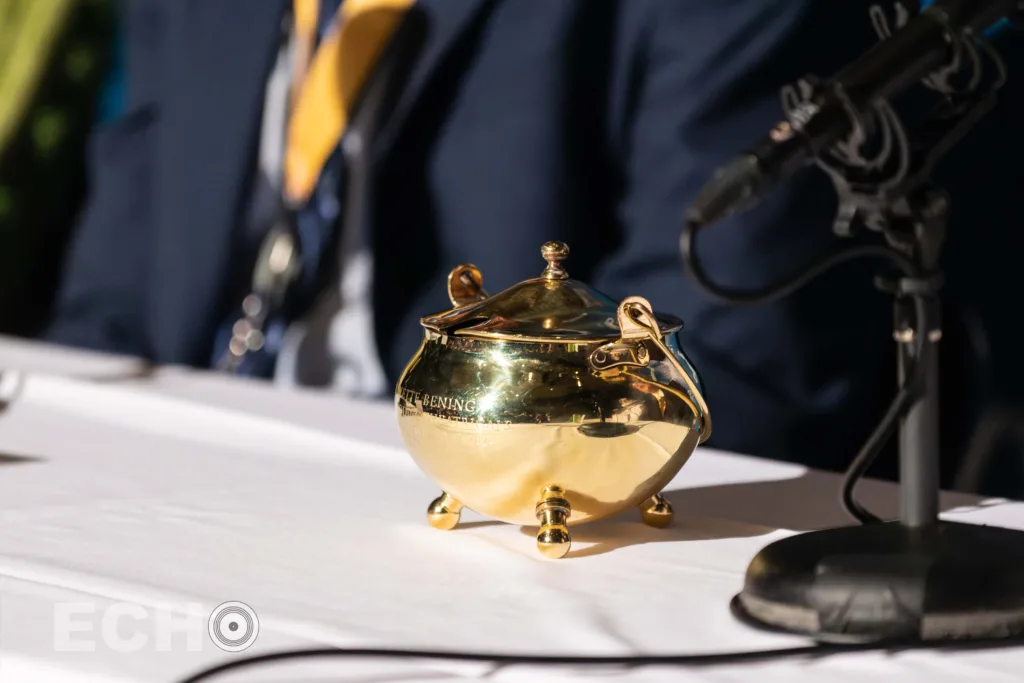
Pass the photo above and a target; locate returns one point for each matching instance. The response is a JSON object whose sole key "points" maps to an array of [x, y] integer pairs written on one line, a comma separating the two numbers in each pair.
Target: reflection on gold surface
{"points": [[550, 433], [551, 308], [493, 438]]}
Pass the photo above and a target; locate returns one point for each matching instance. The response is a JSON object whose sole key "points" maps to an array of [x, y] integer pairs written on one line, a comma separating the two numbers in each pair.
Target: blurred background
{"points": [[59, 79], [62, 67]]}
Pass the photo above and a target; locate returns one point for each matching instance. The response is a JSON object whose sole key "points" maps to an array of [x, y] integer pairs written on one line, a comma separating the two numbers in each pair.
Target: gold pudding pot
{"points": [[549, 404]]}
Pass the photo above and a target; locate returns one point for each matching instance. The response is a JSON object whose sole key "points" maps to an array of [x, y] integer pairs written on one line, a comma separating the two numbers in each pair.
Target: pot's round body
{"points": [[495, 422]]}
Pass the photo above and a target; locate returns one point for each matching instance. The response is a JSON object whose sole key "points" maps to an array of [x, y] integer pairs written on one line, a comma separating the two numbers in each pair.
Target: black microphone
{"points": [[925, 44]]}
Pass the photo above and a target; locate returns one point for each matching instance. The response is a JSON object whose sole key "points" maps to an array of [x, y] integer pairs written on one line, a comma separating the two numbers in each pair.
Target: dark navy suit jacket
{"points": [[589, 121]]}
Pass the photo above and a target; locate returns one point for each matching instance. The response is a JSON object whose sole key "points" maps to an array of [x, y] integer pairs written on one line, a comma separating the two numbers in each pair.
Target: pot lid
{"points": [[551, 308]]}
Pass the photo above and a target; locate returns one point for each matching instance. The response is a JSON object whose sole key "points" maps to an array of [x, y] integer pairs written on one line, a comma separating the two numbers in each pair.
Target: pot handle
{"points": [[638, 326], [466, 285]]}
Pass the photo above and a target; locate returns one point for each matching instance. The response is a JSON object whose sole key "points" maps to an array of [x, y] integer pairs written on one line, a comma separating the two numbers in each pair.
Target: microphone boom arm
{"points": [[904, 207]]}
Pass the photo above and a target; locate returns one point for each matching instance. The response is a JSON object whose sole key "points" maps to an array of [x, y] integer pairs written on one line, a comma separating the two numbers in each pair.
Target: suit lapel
{"points": [[219, 54], [432, 29]]}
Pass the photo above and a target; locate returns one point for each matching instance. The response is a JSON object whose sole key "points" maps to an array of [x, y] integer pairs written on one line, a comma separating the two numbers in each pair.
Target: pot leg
{"points": [[657, 511], [553, 511], [444, 512]]}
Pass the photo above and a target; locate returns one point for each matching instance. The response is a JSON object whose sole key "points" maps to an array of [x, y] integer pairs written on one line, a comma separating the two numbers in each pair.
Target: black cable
{"points": [[912, 386], [748, 297], [867, 454], [905, 396], [691, 660]]}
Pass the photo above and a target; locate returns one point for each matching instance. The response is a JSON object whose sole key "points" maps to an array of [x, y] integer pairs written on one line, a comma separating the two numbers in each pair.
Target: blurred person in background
{"points": [[54, 59], [360, 153]]}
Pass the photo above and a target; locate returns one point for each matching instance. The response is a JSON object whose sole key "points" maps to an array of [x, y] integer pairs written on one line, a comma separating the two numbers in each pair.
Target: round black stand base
{"points": [[888, 582]]}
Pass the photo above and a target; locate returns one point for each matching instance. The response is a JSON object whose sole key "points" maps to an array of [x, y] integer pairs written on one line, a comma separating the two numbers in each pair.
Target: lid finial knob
{"points": [[554, 253]]}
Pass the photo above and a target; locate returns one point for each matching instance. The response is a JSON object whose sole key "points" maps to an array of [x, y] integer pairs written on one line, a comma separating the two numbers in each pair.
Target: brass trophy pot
{"points": [[549, 404]]}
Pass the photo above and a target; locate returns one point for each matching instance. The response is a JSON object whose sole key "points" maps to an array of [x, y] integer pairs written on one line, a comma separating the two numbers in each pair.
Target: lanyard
{"points": [[326, 81], [325, 91]]}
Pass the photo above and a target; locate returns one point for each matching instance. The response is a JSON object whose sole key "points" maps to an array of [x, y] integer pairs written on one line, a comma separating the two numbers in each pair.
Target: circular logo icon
{"points": [[234, 626]]}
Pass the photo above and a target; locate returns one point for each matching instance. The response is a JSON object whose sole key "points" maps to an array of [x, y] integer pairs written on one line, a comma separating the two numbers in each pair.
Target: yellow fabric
{"points": [[330, 86], [28, 29], [305, 15]]}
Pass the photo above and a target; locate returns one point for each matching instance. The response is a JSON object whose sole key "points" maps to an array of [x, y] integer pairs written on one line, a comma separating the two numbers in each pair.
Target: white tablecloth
{"points": [[171, 492]]}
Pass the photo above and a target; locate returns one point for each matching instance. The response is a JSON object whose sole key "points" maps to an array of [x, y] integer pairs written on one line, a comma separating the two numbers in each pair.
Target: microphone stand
{"points": [[917, 331], [918, 578]]}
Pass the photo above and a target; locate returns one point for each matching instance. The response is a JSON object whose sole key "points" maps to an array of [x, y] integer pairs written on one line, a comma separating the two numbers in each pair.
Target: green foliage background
{"points": [[54, 59]]}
